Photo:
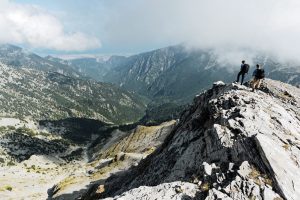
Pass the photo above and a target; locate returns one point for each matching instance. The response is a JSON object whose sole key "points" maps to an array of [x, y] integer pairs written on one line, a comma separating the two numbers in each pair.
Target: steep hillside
{"points": [[26, 92], [230, 144], [138, 72]]}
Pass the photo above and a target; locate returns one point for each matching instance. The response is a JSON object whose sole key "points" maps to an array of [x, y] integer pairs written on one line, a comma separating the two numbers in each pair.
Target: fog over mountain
{"points": [[135, 26], [266, 25]]}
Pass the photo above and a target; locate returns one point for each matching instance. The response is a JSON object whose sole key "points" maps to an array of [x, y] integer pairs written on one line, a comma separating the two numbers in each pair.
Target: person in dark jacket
{"points": [[243, 71], [258, 75]]}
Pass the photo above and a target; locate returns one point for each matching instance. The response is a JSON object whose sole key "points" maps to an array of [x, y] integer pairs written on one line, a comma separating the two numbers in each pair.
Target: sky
{"points": [[132, 26]]}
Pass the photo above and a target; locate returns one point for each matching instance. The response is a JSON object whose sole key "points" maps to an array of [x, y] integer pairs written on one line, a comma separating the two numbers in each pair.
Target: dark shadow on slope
{"points": [[77, 130], [159, 113], [21, 145], [75, 195]]}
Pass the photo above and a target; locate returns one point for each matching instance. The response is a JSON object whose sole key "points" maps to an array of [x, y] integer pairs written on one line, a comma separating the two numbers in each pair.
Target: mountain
{"points": [[170, 77], [231, 143], [19, 58], [176, 74], [42, 95], [138, 72]]}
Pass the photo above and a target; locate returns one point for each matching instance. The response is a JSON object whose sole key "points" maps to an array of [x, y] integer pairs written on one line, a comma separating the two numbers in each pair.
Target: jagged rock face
{"points": [[176, 190], [232, 143]]}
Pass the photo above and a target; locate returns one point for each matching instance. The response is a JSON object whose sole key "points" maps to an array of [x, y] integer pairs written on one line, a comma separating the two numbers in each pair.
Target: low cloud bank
{"points": [[270, 26], [31, 25]]}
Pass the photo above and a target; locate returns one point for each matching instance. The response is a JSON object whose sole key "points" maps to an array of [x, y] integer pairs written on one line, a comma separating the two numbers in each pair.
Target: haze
{"points": [[134, 26]]}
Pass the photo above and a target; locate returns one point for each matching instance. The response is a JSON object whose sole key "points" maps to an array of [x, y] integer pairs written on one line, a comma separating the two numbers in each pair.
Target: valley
{"points": [[56, 162]]}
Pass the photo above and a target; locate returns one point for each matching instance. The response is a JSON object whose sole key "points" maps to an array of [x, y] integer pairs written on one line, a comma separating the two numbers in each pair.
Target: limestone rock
{"points": [[237, 143]]}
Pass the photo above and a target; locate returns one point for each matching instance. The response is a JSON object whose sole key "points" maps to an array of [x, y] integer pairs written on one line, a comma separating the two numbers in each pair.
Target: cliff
{"points": [[230, 144]]}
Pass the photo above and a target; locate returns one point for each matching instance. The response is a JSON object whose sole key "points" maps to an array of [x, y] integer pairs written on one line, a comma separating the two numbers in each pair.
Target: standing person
{"points": [[258, 75], [244, 70]]}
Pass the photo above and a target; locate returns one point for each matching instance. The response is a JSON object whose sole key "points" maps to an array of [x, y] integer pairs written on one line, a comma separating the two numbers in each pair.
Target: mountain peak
{"points": [[231, 144]]}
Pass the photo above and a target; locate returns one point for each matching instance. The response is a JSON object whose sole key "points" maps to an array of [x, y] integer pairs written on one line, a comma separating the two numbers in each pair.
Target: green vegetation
{"points": [[6, 187], [26, 131], [10, 163], [205, 186], [260, 178], [54, 96]]}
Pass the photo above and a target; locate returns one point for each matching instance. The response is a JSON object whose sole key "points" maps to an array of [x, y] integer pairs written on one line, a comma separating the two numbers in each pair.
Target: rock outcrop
{"points": [[230, 144]]}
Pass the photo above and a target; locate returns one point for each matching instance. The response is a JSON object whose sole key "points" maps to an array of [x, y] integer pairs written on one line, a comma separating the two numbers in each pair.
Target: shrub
{"points": [[8, 187]]}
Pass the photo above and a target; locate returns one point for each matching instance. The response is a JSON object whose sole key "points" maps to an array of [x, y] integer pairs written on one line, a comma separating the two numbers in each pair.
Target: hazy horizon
{"points": [[100, 27]]}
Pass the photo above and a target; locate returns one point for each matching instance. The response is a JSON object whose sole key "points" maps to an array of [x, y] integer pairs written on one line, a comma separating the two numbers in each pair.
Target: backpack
{"points": [[260, 73], [245, 68]]}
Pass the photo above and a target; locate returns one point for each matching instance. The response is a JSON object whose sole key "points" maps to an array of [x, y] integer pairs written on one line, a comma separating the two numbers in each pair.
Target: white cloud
{"points": [[265, 25], [33, 26]]}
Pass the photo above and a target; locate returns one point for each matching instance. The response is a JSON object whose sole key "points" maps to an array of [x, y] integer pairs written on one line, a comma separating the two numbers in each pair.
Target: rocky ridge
{"points": [[230, 144]]}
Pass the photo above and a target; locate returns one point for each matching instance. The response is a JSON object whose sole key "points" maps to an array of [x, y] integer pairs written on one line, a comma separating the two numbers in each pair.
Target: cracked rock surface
{"points": [[230, 144]]}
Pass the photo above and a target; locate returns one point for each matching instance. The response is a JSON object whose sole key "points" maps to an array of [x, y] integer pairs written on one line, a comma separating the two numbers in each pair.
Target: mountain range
{"points": [[177, 74], [146, 126]]}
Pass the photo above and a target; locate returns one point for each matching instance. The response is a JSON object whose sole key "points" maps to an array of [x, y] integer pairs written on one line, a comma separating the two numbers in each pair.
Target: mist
{"points": [[229, 27]]}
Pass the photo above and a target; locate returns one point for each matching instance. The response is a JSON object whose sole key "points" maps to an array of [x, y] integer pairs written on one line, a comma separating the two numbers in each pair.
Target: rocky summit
{"points": [[231, 143]]}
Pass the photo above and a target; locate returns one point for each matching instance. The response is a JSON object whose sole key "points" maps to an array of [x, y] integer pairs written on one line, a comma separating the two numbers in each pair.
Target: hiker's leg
{"points": [[258, 83], [238, 76], [243, 76], [254, 82]]}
